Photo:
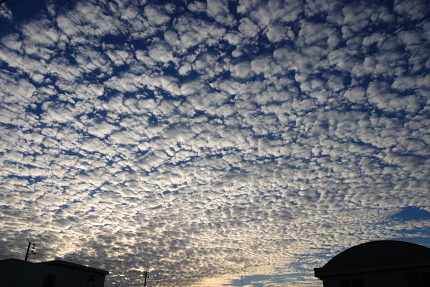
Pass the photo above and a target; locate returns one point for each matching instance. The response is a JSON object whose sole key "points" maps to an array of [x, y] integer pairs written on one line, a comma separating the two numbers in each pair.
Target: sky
{"points": [[212, 143]]}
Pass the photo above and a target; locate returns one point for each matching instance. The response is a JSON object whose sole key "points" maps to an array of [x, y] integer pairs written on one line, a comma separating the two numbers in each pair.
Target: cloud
{"points": [[220, 12], [160, 52], [215, 139], [248, 28], [156, 14]]}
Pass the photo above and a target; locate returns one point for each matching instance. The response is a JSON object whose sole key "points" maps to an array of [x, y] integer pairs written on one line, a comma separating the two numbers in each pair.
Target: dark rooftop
{"points": [[59, 263], [376, 255]]}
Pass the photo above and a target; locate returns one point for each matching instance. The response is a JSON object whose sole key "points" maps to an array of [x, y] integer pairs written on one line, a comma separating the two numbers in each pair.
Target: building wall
{"points": [[395, 278], [18, 273], [75, 277], [27, 274]]}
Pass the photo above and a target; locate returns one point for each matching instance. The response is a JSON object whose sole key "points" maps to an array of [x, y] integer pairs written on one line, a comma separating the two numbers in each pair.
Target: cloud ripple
{"points": [[205, 141]]}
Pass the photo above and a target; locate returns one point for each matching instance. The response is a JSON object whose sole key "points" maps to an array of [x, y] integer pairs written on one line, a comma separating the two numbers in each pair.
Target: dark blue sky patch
{"points": [[36, 109], [412, 213], [417, 240], [22, 10], [61, 208], [232, 7]]}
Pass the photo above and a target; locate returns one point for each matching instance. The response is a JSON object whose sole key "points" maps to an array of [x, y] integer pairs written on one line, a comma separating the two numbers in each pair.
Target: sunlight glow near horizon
{"points": [[209, 140]]}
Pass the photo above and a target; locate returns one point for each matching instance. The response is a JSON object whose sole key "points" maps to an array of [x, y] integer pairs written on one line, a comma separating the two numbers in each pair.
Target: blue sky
{"points": [[209, 140]]}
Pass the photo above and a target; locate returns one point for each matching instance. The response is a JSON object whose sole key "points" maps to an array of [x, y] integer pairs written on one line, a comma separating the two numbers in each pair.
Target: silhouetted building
{"points": [[57, 273], [378, 264]]}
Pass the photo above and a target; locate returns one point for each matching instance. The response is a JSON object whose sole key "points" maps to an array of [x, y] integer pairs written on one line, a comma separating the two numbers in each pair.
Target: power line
{"points": [[8, 5]]}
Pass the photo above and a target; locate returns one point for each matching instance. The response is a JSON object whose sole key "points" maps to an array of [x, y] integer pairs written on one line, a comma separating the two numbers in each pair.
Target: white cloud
{"points": [[248, 28], [414, 12], [277, 33], [160, 52], [156, 15], [118, 57], [219, 11], [355, 94], [225, 143], [11, 41], [101, 129], [242, 70]]}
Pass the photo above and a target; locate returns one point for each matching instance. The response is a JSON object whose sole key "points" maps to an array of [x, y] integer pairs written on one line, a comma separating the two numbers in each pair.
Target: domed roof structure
{"points": [[376, 255]]}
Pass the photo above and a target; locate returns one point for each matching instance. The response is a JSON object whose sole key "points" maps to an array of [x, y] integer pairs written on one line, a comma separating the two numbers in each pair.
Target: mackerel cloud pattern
{"points": [[205, 141]]}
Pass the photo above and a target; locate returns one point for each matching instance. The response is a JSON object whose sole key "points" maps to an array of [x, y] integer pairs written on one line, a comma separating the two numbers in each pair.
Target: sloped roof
{"points": [[59, 263], [55, 263], [376, 255]]}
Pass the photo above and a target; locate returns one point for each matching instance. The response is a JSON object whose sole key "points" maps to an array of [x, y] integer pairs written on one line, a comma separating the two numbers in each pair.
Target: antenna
{"points": [[31, 250]]}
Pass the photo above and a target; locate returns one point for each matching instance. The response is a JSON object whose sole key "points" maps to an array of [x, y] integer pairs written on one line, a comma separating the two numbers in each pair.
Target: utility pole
{"points": [[146, 276], [30, 252]]}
